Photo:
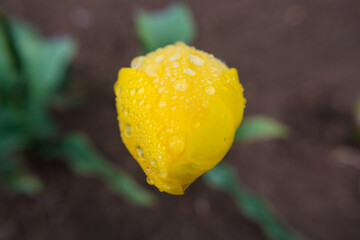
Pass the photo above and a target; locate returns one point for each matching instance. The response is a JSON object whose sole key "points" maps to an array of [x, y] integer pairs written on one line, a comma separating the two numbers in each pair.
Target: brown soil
{"points": [[299, 61]]}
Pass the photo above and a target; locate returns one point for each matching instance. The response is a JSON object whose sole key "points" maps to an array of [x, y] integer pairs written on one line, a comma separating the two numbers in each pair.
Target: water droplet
{"points": [[127, 130], [122, 107], [150, 181], [141, 90], [189, 71], [118, 91], [132, 92], [210, 90], [196, 60], [153, 162], [137, 62], [126, 112], [140, 152], [162, 104], [175, 64], [161, 89], [162, 173], [156, 80], [177, 143], [173, 108], [181, 85], [174, 57], [152, 69], [141, 102], [159, 58]]}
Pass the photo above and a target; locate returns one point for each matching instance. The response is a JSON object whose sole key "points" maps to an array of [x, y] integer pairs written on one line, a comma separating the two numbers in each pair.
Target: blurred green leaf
{"points": [[163, 27], [43, 63], [224, 178], [8, 64], [260, 127], [83, 159], [16, 179]]}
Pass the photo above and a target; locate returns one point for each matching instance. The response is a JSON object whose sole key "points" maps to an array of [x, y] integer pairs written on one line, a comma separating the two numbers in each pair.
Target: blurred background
{"points": [[299, 63]]}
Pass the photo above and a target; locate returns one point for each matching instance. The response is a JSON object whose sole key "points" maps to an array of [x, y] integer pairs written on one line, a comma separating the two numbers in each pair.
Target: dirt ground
{"points": [[299, 62]]}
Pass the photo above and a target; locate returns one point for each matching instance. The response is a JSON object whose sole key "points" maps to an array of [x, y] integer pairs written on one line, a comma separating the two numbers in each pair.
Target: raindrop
{"points": [[141, 90], [150, 181], [175, 64], [159, 58], [210, 90], [189, 71], [177, 143], [161, 89], [181, 85], [153, 162], [174, 57], [140, 152], [162, 104], [127, 130], [137, 62], [196, 60]]}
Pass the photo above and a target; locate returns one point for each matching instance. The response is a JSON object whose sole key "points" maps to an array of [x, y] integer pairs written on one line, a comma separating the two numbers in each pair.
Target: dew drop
{"points": [[174, 57], [173, 108], [141, 102], [141, 90], [210, 90], [127, 130], [140, 152], [119, 91], [132, 92], [152, 69], [162, 173], [156, 80], [150, 181], [137, 62], [126, 112], [162, 104], [159, 58], [177, 143], [161, 89], [181, 85], [189, 71], [153, 162], [196, 60], [175, 64], [122, 107]]}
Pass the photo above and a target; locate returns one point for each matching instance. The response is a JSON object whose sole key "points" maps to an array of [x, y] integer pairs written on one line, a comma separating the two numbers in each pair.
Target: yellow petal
{"points": [[178, 110]]}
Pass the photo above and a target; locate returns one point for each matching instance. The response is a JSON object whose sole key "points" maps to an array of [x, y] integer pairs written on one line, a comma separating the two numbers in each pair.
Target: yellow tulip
{"points": [[178, 110]]}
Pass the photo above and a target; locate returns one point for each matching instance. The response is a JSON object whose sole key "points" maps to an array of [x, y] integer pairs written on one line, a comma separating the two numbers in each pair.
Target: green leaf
{"points": [[260, 127], [163, 27], [224, 178], [83, 159], [43, 63], [15, 178], [8, 64]]}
